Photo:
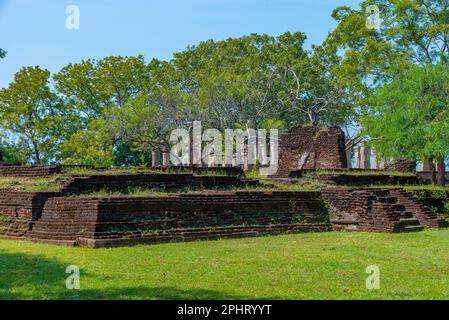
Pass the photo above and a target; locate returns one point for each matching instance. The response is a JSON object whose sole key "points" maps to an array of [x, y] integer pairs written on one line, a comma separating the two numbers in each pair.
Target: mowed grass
{"points": [[303, 266]]}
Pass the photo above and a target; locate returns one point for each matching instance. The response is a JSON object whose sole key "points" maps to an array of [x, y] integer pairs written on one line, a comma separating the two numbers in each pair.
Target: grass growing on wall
{"points": [[23, 184], [304, 266], [367, 173], [148, 192]]}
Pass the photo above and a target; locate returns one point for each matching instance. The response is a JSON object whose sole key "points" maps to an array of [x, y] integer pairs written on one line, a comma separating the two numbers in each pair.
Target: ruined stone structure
{"points": [[344, 200], [101, 222], [29, 171], [378, 209], [19, 209], [402, 165], [74, 184], [346, 179], [311, 147]]}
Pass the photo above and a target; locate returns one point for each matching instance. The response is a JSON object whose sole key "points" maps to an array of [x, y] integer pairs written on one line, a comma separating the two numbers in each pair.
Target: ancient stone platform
{"points": [[378, 209], [104, 222], [72, 217]]}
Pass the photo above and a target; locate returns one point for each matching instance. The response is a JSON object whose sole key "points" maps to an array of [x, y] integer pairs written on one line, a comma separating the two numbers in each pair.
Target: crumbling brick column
{"points": [[311, 147]]}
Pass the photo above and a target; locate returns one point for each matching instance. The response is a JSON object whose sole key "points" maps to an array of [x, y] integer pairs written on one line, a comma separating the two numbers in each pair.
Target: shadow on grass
{"points": [[28, 276], [158, 293]]}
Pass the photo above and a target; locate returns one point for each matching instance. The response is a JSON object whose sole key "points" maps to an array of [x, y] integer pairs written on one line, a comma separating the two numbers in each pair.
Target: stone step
{"points": [[409, 222], [387, 199], [406, 215], [67, 243], [193, 232], [412, 228]]}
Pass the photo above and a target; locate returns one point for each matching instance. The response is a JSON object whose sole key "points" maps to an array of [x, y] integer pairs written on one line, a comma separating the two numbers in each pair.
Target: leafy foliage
{"points": [[34, 113], [114, 111]]}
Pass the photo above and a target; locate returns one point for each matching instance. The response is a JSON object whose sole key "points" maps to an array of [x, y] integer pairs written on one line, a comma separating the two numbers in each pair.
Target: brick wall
{"points": [[19, 209], [85, 183], [311, 147], [377, 209], [229, 171], [402, 165], [361, 210], [29, 171], [124, 220], [367, 179]]}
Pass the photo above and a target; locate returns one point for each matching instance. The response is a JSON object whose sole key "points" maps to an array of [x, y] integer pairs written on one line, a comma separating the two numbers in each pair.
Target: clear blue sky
{"points": [[34, 33]]}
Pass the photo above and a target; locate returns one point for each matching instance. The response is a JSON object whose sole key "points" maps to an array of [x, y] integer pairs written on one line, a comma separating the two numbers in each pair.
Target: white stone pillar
{"points": [[375, 160], [348, 156], [166, 158], [424, 166], [358, 157], [155, 158], [365, 156]]}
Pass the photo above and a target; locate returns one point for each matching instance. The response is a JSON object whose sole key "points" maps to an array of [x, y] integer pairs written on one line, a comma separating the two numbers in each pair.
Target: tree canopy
{"points": [[117, 109], [398, 73], [388, 77]]}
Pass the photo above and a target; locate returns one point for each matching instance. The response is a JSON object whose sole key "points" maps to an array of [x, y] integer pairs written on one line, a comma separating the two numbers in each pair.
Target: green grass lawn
{"points": [[303, 266]]}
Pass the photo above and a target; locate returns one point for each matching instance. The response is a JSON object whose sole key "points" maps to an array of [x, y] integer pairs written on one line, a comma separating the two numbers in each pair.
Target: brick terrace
{"points": [[66, 219]]}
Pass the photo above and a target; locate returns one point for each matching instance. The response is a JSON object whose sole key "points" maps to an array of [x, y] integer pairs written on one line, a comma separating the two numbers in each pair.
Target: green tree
{"points": [[409, 117], [249, 80], [89, 146], [14, 151], [415, 31], [33, 113], [90, 88], [409, 32], [91, 85]]}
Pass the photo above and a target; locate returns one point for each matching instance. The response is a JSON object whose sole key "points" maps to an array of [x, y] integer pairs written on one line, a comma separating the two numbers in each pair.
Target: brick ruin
{"points": [[402, 165], [343, 201], [345, 178], [106, 222], [378, 209], [311, 147]]}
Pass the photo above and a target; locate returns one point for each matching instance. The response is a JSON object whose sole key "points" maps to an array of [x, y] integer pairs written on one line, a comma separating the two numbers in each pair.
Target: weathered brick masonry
{"points": [[122, 220], [86, 183], [402, 165], [377, 209], [366, 179], [64, 218], [29, 171], [18, 210], [311, 147]]}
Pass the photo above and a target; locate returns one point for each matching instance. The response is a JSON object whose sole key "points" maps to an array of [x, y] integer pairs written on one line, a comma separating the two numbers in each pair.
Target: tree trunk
{"points": [[433, 176], [441, 172]]}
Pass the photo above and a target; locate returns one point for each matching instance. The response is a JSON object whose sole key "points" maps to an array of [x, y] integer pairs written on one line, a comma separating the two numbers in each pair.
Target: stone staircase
{"points": [[421, 212], [378, 209], [387, 204]]}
